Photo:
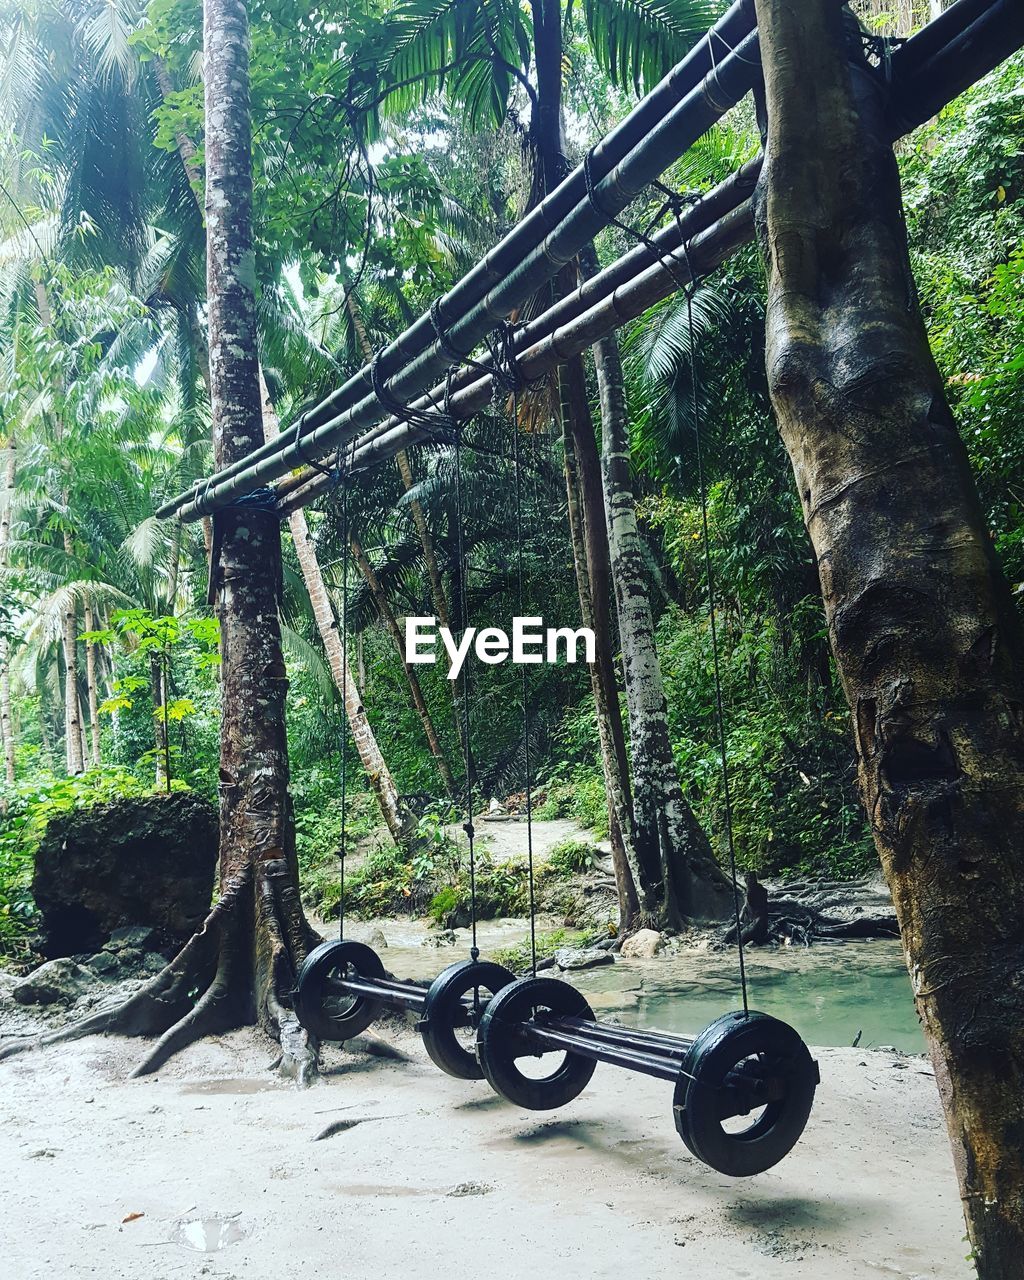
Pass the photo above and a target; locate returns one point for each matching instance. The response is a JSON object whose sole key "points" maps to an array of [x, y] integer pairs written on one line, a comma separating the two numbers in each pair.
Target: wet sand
{"points": [[211, 1169]]}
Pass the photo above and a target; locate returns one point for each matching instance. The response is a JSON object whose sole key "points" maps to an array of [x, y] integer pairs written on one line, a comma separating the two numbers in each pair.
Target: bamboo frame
{"points": [[953, 51]]}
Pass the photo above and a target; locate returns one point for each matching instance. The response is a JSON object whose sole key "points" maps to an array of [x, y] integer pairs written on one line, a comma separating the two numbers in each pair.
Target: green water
{"points": [[828, 993]]}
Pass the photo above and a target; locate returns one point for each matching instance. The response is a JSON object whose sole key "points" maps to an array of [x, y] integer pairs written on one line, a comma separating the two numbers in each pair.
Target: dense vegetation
{"points": [[108, 656]]}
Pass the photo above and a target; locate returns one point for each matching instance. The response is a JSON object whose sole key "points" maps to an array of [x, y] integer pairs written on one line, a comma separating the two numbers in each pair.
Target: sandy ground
{"points": [[211, 1169]]}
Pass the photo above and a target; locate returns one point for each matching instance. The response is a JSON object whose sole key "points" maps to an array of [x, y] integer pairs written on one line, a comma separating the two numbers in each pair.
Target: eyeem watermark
{"points": [[530, 641]]}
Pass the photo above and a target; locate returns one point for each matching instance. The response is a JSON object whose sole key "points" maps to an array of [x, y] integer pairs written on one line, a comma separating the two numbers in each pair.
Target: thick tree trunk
{"points": [[91, 692], [606, 703], [6, 716], [397, 818], [678, 869], [387, 616], [923, 628]]}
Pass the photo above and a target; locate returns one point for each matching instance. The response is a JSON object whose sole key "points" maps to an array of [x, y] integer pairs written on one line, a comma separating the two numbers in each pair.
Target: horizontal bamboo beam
{"points": [[464, 308], [969, 54], [993, 30]]}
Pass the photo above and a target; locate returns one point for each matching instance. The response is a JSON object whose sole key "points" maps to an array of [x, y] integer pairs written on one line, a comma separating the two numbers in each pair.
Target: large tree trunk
{"points": [[399, 821], [243, 960], [678, 870], [6, 716], [387, 616], [925, 635]]}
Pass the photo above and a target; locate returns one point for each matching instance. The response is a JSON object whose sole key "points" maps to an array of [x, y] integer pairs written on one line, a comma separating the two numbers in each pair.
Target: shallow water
{"points": [[828, 992]]}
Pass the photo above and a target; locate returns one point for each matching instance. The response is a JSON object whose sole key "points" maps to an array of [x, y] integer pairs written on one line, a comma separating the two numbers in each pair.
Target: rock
{"points": [[135, 938], [60, 979], [105, 965], [443, 938], [377, 940], [642, 945], [136, 874], [582, 957]]}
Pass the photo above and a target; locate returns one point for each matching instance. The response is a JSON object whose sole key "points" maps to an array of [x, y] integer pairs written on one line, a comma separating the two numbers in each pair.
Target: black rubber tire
{"points": [[723, 1044], [312, 990], [444, 1004], [497, 1044]]}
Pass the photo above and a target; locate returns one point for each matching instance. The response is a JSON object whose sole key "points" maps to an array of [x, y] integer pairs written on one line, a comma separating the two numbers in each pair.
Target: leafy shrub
{"points": [[568, 857], [517, 958]]}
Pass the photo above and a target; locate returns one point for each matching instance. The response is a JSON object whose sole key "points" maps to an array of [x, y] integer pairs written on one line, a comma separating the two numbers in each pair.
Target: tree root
{"points": [[217, 966]]}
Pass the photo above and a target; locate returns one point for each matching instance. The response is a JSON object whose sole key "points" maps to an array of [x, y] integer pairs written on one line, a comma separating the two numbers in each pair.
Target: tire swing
{"points": [[343, 986], [743, 1088]]}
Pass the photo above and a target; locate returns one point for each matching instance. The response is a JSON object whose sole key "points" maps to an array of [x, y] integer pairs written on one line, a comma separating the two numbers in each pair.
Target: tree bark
{"points": [[923, 628], [399, 821], [606, 701], [387, 616], [90, 684], [72, 712], [677, 867]]}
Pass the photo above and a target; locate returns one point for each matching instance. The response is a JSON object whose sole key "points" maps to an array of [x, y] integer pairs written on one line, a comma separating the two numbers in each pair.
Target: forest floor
{"points": [[212, 1169]]}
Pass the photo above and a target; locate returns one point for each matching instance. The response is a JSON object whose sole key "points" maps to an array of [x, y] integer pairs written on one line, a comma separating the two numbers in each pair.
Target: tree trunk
{"points": [[589, 537], [6, 717], [90, 684], [243, 960], [678, 869], [606, 701], [399, 821], [159, 696], [72, 713], [924, 631], [387, 616]]}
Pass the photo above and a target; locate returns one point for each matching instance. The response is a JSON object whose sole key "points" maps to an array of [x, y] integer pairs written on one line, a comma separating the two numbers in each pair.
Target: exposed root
{"points": [[240, 965], [158, 1003]]}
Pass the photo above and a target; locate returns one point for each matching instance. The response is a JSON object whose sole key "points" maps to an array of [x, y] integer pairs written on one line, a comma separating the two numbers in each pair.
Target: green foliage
{"points": [[568, 857], [518, 958]]}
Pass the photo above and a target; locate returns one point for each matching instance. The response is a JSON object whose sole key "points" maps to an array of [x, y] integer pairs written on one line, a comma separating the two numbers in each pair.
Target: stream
{"points": [[828, 992]]}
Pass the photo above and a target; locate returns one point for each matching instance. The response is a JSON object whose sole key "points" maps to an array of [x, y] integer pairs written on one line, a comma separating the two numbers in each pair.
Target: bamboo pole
{"points": [[969, 53], [706, 103], [464, 299]]}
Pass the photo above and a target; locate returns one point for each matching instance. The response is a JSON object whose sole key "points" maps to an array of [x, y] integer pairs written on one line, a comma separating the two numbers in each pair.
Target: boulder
{"points": [[642, 945], [57, 980], [132, 876], [582, 957], [377, 940]]}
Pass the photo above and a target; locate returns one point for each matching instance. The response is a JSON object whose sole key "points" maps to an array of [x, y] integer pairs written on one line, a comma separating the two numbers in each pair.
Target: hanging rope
{"points": [[507, 373], [467, 747], [712, 614], [343, 838]]}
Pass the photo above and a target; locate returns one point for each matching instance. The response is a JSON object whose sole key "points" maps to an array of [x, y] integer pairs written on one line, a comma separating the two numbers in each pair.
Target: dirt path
{"points": [[429, 1177]]}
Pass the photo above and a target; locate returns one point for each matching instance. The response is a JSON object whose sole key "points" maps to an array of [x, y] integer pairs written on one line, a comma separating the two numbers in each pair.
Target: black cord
{"points": [[467, 826], [517, 471], [343, 851], [716, 665]]}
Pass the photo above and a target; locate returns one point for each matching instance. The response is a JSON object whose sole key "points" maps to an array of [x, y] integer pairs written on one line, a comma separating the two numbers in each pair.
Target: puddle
{"points": [[208, 1235], [229, 1086]]}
